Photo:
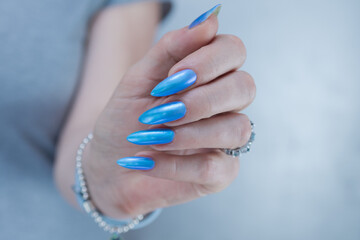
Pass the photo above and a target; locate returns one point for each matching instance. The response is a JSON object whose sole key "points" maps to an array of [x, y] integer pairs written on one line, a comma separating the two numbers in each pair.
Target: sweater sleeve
{"points": [[166, 5]]}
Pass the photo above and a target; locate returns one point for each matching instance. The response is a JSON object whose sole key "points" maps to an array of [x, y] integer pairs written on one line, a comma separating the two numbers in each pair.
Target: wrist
{"points": [[111, 196], [83, 196], [104, 192]]}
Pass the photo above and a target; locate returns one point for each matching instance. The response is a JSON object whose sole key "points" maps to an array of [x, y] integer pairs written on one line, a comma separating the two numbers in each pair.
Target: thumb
{"points": [[171, 48]]}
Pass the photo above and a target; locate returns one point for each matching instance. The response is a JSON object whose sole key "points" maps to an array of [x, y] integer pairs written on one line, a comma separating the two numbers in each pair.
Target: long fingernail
{"points": [[175, 83], [164, 113], [215, 10], [152, 137], [137, 163]]}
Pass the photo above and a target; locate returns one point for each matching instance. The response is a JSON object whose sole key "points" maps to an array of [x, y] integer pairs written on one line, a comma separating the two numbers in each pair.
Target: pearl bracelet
{"points": [[84, 199]]}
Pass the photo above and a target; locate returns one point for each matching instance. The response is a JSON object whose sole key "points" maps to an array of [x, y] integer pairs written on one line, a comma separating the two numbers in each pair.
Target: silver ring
{"points": [[236, 152]]}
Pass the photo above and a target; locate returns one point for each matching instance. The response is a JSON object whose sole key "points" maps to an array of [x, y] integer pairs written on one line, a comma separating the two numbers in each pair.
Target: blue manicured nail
{"points": [[164, 113], [215, 10], [175, 83], [137, 163], [152, 136]]}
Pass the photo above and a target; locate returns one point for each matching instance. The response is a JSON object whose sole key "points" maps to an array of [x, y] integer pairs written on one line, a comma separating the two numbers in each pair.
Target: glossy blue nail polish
{"points": [[152, 137], [175, 83], [164, 113], [137, 163], [215, 10]]}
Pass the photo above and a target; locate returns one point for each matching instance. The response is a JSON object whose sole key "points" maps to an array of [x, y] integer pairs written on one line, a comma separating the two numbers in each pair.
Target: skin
{"points": [[192, 165]]}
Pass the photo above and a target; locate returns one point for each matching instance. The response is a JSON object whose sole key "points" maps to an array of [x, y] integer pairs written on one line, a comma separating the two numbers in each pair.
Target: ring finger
{"points": [[229, 130]]}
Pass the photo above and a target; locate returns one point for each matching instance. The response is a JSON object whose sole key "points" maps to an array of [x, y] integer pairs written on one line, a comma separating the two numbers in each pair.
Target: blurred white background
{"points": [[302, 179]]}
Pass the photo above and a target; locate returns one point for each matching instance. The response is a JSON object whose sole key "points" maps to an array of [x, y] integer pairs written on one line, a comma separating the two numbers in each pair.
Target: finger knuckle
{"points": [[206, 189], [224, 136], [198, 111], [250, 83], [237, 131], [236, 43], [245, 129], [207, 103], [243, 83], [209, 173], [166, 42], [216, 177], [167, 38], [241, 130]]}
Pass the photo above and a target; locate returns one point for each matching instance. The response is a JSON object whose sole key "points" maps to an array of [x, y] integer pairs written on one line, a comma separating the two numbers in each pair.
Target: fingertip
{"points": [[182, 42], [214, 11], [154, 94], [177, 44], [152, 155], [207, 30], [136, 163]]}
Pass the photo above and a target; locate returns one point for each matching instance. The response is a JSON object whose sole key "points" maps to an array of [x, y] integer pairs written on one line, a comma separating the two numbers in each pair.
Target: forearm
{"points": [[113, 47]]}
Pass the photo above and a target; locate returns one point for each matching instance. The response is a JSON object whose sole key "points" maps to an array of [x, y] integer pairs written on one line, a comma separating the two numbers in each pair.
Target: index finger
{"points": [[224, 54]]}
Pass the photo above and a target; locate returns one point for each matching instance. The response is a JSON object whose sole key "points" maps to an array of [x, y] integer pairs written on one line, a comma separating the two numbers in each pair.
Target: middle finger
{"points": [[231, 92]]}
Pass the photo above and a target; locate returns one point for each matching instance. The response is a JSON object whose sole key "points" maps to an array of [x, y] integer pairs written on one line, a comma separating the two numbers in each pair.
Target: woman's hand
{"points": [[191, 165]]}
